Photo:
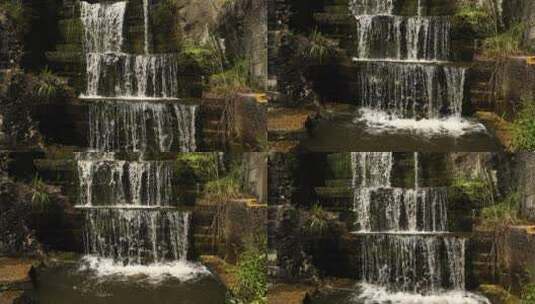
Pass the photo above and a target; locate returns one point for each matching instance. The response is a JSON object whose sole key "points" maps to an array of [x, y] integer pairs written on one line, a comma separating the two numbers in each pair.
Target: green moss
{"points": [[523, 128], [528, 294], [477, 190], [478, 19]]}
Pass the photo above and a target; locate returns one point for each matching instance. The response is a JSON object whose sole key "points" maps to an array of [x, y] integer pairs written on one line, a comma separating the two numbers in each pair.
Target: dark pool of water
{"points": [[343, 134], [66, 284]]}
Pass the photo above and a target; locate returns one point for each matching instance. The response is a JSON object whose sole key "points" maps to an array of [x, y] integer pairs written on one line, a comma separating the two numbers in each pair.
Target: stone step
{"points": [[339, 183], [334, 192]]}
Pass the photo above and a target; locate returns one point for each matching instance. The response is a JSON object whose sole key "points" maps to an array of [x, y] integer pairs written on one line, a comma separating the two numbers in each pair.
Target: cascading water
{"points": [[118, 78], [406, 253], [132, 222], [142, 126], [121, 183], [403, 78]]}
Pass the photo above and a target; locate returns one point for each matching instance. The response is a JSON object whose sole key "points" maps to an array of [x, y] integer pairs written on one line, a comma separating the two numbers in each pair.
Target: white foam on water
{"points": [[153, 273], [127, 98], [382, 122], [397, 60], [372, 294]]}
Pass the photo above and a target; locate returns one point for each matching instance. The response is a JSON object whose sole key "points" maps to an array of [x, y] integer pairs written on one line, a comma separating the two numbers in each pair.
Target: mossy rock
{"points": [[498, 295]]}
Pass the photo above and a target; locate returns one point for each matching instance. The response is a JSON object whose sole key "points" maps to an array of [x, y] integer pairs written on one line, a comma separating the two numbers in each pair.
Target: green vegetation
{"points": [[478, 190], [232, 80], [502, 214], [480, 20], [17, 13], [229, 186], [40, 196], [320, 47], [523, 128], [48, 85], [528, 294], [165, 16], [204, 165], [251, 273], [317, 220], [505, 44]]}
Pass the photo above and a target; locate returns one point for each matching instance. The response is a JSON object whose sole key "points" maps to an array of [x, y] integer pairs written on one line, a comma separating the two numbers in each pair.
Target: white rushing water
{"points": [[406, 254], [103, 26], [137, 237], [116, 79], [372, 294], [142, 126], [371, 7], [380, 122], [403, 79], [154, 273], [126, 75], [146, 25], [408, 90], [403, 38], [138, 183]]}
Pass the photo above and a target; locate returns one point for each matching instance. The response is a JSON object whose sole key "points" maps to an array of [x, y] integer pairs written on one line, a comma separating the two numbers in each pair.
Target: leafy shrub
{"points": [[204, 165], [478, 18], [227, 187], [40, 196], [523, 128], [528, 294], [232, 80], [503, 213], [251, 272], [320, 47], [476, 189], [505, 44], [317, 220], [18, 13]]}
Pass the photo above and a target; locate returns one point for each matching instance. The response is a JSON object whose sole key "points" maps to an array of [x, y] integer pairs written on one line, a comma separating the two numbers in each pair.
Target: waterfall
{"points": [[103, 26], [406, 90], [112, 74], [132, 76], [146, 25], [129, 213], [416, 171], [371, 7], [401, 210], [371, 169], [121, 183], [403, 78], [416, 263], [405, 248], [137, 237], [142, 126], [403, 38]]}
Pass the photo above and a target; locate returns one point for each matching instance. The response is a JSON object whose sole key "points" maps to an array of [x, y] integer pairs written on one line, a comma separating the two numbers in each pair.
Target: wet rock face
{"points": [[10, 51], [16, 125], [16, 238], [293, 264]]}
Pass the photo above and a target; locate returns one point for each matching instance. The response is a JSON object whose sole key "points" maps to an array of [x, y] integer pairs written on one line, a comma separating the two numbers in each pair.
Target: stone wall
{"points": [[526, 169], [516, 249]]}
